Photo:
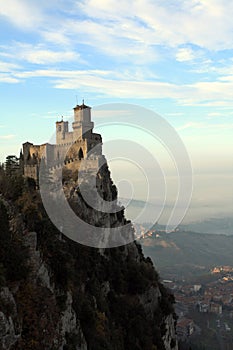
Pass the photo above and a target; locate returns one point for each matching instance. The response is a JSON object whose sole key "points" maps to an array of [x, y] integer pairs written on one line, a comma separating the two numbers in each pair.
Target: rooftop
{"points": [[82, 106]]}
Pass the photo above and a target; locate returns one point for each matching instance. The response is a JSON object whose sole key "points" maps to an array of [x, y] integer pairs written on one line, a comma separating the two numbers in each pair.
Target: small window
{"points": [[80, 154]]}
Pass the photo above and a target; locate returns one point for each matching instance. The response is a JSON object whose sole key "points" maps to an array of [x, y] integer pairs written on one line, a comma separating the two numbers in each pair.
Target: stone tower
{"points": [[61, 129], [82, 125]]}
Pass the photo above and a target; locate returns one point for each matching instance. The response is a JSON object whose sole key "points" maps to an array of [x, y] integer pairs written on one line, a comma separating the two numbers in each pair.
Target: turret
{"points": [[61, 129], [82, 124]]}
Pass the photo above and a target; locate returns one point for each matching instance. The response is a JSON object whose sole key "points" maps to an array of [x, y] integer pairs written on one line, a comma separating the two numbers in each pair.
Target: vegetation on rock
{"points": [[105, 287]]}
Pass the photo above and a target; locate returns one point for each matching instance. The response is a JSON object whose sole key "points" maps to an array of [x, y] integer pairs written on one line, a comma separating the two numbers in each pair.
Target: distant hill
{"points": [[213, 225], [134, 207], [186, 254]]}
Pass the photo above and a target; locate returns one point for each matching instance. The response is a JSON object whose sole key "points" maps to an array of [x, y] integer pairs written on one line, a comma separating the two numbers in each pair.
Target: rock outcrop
{"points": [[76, 297]]}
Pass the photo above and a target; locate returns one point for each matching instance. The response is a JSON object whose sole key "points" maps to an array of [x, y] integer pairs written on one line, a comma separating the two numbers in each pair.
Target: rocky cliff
{"points": [[58, 294]]}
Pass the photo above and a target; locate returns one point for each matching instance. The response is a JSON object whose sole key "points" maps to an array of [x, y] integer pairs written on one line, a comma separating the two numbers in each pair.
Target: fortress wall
{"points": [[69, 150], [26, 151], [92, 164], [31, 171], [68, 137], [73, 165], [60, 151], [37, 151], [83, 164], [74, 149]]}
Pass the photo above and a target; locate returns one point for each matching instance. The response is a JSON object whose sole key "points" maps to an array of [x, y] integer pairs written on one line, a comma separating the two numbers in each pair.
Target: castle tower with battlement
{"points": [[70, 148], [82, 126]]}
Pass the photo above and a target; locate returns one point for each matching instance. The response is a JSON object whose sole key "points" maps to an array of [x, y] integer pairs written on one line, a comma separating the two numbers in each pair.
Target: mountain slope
{"points": [[185, 253], [68, 296]]}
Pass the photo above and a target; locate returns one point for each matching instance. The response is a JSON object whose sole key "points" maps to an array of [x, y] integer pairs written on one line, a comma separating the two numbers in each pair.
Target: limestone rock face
{"points": [[69, 324], [77, 297], [150, 300], [169, 338], [8, 330]]}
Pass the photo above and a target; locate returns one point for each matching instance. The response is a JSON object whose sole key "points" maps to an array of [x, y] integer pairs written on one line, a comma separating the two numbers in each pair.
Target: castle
{"points": [[71, 148]]}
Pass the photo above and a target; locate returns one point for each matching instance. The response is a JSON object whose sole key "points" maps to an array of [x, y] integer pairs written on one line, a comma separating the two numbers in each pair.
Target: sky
{"points": [[172, 57]]}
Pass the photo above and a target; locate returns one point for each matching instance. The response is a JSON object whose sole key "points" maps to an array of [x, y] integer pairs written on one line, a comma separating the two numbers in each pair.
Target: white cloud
{"points": [[56, 37], [136, 28], [50, 117], [8, 67], [190, 125], [133, 32], [119, 39], [213, 115], [215, 93], [222, 113], [53, 73], [7, 137], [39, 56], [110, 113], [204, 126], [7, 78], [229, 77], [202, 23], [7, 71], [23, 13], [175, 114], [185, 54], [211, 93]]}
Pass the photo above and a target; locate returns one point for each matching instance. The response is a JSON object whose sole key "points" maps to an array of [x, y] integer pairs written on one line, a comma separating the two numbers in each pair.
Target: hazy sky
{"points": [[173, 57]]}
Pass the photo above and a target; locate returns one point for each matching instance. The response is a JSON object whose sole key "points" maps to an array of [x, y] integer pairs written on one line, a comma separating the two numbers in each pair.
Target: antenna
{"points": [[76, 99]]}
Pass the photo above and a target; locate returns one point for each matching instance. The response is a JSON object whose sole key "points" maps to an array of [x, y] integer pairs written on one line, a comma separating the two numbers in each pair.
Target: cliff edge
{"points": [[58, 294]]}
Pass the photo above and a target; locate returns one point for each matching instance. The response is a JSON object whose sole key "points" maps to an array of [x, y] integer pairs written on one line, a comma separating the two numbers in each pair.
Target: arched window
{"points": [[80, 154]]}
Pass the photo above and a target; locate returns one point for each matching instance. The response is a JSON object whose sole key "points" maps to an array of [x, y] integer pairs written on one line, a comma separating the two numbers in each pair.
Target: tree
{"points": [[12, 165]]}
